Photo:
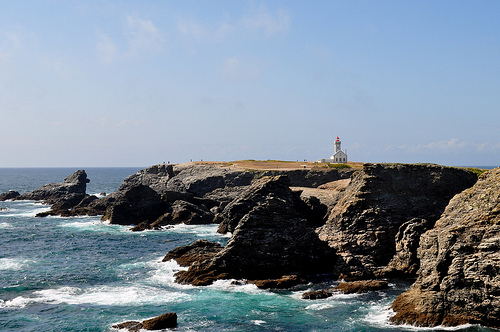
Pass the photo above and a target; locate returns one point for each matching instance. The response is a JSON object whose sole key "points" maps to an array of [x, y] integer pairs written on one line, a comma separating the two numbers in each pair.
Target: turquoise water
{"points": [[79, 274]]}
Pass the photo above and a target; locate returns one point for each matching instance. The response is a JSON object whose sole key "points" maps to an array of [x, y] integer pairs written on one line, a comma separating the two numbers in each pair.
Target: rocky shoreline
{"points": [[434, 223]]}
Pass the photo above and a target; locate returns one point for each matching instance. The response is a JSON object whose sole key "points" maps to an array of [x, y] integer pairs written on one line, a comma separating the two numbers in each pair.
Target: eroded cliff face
{"points": [[380, 199], [458, 280], [272, 236]]}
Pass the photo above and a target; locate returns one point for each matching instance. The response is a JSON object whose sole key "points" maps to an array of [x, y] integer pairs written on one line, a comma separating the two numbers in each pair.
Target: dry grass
{"points": [[275, 164]]}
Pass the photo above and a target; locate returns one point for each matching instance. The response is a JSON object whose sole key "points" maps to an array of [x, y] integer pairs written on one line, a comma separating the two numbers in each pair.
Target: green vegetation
{"points": [[477, 171], [337, 166]]}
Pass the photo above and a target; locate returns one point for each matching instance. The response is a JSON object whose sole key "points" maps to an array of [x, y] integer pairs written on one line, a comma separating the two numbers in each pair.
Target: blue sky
{"points": [[135, 83]]}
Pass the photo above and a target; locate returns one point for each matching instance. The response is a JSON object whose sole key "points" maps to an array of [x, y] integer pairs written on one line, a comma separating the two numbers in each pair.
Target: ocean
{"points": [[80, 274]]}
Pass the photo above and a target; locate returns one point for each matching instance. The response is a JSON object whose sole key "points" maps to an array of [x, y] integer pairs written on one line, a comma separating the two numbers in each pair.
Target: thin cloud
{"points": [[9, 44], [196, 30], [106, 49], [143, 35], [237, 70], [268, 22]]}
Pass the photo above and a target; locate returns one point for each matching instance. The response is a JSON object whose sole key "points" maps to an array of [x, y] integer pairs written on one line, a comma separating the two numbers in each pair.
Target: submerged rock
{"points": [[459, 277]]}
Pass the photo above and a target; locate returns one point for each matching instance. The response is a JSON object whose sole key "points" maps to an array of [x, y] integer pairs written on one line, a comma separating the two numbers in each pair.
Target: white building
{"points": [[338, 156]]}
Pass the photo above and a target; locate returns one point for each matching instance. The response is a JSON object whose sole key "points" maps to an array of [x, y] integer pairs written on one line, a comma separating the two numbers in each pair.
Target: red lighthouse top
{"points": [[337, 139]]}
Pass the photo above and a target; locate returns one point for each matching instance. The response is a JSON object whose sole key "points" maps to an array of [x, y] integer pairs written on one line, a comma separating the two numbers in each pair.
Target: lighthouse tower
{"points": [[338, 156], [337, 145]]}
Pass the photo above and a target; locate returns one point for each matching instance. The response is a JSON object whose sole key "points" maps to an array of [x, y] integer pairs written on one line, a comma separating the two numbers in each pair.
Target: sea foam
{"points": [[379, 315], [134, 294], [7, 264]]}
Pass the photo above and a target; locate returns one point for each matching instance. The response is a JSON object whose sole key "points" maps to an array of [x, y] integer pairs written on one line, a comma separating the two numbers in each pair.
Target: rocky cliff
{"points": [[272, 238], [380, 201], [373, 230], [458, 280]]}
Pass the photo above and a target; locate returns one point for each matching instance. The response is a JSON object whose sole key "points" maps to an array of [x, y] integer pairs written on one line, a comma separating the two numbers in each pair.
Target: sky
{"points": [[137, 83]]}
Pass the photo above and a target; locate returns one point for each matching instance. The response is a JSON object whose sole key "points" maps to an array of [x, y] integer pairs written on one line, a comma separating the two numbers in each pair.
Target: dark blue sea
{"points": [[80, 274]]}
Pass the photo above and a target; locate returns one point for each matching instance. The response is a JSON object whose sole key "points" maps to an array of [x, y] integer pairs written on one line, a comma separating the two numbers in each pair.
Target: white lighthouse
{"points": [[338, 156]]}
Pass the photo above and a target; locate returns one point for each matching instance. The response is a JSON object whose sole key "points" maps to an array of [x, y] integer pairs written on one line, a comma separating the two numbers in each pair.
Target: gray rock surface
{"points": [[459, 277], [9, 195], [72, 189], [363, 225], [135, 205]]}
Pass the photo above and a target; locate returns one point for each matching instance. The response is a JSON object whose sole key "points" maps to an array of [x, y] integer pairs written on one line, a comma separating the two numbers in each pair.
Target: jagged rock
{"points": [[155, 177], [67, 207], [253, 196], [11, 194], [180, 212], [362, 226], [405, 262], [459, 277], [165, 321], [352, 287], [280, 283], [361, 286], [272, 239], [199, 251], [72, 190], [137, 204], [190, 214]]}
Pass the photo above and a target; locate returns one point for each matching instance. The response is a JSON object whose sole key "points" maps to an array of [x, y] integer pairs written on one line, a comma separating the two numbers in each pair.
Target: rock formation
{"points": [[199, 251], [72, 190], [352, 287], [363, 225], [138, 204], [458, 280], [9, 195], [165, 321], [271, 238]]}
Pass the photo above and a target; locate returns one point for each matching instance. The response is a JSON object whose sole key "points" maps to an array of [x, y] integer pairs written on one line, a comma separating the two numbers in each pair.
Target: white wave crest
{"points": [[11, 264], [163, 273], [4, 225], [199, 230], [258, 322], [24, 209], [379, 315], [321, 306], [237, 286], [101, 295]]}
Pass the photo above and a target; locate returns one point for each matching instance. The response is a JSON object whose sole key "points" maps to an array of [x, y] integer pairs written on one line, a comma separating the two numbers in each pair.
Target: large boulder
{"points": [[135, 205], [459, 277], [363, 225], [9, 195]]}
